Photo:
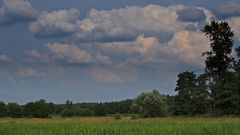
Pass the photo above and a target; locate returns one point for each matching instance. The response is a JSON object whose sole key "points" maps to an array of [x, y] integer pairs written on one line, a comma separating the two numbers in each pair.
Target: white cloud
{"points": [[71, 53], [235, 25], [102, 75], [102, 59], [185, 47], [30, 72], [14, 11], [55, 23], [130, 21], [5, 58], [143, 46], [110, 76], [114, 24], [34, 55]]}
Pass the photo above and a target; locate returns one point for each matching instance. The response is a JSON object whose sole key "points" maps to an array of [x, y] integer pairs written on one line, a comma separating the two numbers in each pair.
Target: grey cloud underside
{"points": [[112, 25], [191, 14], [16, 11], [228, 9], [55, 24]]}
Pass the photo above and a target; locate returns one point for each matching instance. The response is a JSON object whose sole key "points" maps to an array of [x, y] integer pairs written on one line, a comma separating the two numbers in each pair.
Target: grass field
{"points": [[125, 126]]}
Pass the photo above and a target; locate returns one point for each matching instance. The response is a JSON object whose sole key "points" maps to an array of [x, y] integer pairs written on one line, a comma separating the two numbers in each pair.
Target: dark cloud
{"points": [[15, 11], [191, 14], [226, 10], [191, 27]]}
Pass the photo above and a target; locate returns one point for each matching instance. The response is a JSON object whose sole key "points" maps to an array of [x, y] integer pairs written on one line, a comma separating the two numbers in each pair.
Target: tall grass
{"points": [[168, 126]]}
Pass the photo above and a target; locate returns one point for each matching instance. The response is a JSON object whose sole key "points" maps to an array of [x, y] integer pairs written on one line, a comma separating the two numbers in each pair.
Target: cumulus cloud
{"points": [[117, 24], [185, 48], [129, 22], [102, 75], [191, 14], [102, 59], [71, 53], [55, 24], [14, 11], [229, 9], [5, 58], [30, 72], [110, 76], [143, 46], [120, 24], [34, 55], [235, 25]]}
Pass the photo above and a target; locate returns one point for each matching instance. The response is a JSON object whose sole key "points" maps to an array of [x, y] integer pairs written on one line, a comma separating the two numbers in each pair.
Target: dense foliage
{"points": [[151, 104], [217, 91]]}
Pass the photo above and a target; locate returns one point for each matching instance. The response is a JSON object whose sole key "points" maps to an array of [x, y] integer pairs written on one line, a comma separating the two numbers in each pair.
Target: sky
{"points": [[98, 51]]}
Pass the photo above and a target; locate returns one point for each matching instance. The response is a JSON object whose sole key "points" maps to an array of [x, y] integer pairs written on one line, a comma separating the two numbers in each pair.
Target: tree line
{"points": [[216, 92], [147, 104]]}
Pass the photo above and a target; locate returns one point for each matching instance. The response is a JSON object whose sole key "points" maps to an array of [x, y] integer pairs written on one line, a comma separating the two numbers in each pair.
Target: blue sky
{"points": [[102, 51]]}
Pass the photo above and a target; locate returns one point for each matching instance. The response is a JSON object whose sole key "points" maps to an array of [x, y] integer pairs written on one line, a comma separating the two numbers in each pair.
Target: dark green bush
{"points": [[117, 116], [135, 117]]}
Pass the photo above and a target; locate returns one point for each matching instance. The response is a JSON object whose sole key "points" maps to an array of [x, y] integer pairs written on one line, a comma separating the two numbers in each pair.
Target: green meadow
{"points": [[125, 126]]}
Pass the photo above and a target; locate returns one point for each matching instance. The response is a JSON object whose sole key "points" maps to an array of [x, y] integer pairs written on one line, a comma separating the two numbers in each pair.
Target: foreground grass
{"points": [[108, 126]]}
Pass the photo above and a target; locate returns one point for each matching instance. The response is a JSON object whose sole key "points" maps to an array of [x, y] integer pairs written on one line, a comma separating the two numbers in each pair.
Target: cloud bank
{"points": [[55, 23], [15, 11], [118, 24], [117, 44]]}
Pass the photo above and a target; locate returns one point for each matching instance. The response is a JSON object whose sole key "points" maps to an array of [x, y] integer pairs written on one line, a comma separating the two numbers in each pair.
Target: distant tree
{"points": [[100, 109], [229, 99], [237, 69], [82, 112], [68, 110], [219, 61], [170, 101], [125, 106], [151, 104], [14, 110], [52, 108], [202, 98], [38, 109], [41, 109], [29, 109], [186, 93], [3, 109]]}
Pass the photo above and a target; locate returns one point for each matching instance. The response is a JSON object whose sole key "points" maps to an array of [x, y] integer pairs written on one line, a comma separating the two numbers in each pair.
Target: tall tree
{"points": [[186, 93], [219, 61]]}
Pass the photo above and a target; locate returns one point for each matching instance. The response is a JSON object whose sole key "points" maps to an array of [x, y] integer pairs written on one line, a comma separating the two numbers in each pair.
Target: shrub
{"points": [[151, 104], [14, 110], [3, 109], [135, 117], [117, 116]]}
